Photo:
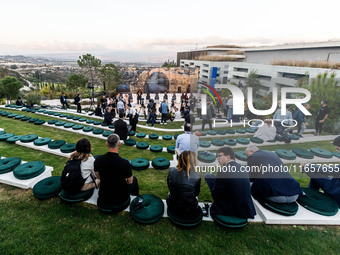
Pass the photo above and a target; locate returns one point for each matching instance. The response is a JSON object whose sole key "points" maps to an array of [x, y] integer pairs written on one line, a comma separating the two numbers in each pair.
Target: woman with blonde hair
{"points": [[184, 184], [83, 150]]}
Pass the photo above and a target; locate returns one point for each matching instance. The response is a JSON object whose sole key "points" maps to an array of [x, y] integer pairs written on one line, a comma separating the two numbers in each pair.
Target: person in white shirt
{"points": [[187, 141], [177, 114], [131, 111], [279, 117], [267, 132], [120, 107], [230, 107]]}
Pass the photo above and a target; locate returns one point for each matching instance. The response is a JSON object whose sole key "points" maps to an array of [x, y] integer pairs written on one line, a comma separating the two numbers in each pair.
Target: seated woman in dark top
{"points": [[184, 185]]}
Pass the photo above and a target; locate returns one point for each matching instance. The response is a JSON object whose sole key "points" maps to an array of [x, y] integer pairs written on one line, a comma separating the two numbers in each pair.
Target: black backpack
{"points": [[283, 136], [71, 179]]}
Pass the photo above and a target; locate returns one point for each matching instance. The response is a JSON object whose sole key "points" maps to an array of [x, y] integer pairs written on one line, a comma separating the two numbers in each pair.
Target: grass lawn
{"points": [[29, 226]]}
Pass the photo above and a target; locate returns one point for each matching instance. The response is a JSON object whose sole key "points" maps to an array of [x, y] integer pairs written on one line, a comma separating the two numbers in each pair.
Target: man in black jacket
{"points": [[121, 127], [107, 116], [230, 188], [63, 101]]}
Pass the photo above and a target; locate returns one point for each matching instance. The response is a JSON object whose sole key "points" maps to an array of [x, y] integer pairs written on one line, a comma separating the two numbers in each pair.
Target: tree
{"points": [[91, 64], [169, 64], [10, 87], [253, 81], [110, 74], [76, 81]]}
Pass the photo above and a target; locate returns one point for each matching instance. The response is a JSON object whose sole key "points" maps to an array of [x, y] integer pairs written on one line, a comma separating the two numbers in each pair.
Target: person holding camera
{"points": [[230, 189], [139, 96], [184, 184], [77, 103]]}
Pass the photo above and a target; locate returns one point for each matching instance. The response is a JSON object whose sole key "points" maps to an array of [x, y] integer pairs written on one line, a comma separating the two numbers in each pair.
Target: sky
{"points": [[150, 30]]}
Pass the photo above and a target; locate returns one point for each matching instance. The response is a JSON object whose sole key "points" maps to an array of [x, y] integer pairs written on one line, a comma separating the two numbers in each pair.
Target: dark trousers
{"points": [[163, 119], [133, 124], [210, 179], [199, 111], [79, 107], [278, 126], [67, 106], [139, 99], [206, 122], [318, 126], [134, 187], [151, 118]]}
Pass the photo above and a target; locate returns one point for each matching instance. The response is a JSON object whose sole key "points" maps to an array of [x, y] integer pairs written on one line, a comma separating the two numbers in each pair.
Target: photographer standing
{"points": [[139, 96], [133, 118], [77, 103]]}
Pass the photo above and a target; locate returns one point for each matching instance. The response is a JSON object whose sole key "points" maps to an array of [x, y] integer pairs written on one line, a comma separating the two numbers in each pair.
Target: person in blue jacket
{"points": [[276, 185], [230, 189], [300, 118], [320, 175]]}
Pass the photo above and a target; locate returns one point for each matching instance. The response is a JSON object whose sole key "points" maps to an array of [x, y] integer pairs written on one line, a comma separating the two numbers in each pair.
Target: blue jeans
{"points": [[230, 113], [151, 118], [210, 179]]}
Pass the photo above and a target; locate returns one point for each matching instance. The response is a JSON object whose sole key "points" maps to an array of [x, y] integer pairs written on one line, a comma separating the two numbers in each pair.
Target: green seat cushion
{"points": [[150, 211], [175, 136], [130, 142], [68, 148], [241, 155], [318, 202], [206, 156], [41, 141], [140, 164], [106, 133], [39, 122], [171, 149], [50, 113], [33, 120], [230, 142], [88, 129], [113, 208], [241, 131], [167, 137], [60, 123], [230, 222], [69, 117], [294, 137], [47, 188], [156, 148], [303, 153], [98, 131], [142, 145], [42, 110], [112, 126], [141, 135], [96, 122], [242, 140], [132, 133], [104, 124], [28, 138], [212, 132], [5, 114], [186, 220], [160, 163], [2, 132], [9, 164], [250, 130], [26, 118], [221, 132], [75, 197], [82, 119], [205, 144], [204, 133], [286, 209], [76, 118], [56, 144], [57, 114], [321, 153], [63, 115], [13, 139], [29, 170], [271, 141], [153, 136], [336, 154], [19, 117], [217, 142], [256, 140], [89, 121], [52, 122], [4, 137], [68, 125], [285, 154], [12, 115], [77, 127]]}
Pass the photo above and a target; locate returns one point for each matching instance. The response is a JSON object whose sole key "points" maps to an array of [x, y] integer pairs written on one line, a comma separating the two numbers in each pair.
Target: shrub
{"points": [[33, 98]]}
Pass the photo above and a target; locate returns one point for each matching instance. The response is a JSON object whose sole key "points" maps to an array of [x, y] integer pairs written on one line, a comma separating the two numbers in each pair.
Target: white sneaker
{"points": [[164, 123], [161, 123]]}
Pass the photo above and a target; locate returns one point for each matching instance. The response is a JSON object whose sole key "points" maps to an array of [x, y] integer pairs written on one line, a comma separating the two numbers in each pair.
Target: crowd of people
{"points": [[231, 190]]}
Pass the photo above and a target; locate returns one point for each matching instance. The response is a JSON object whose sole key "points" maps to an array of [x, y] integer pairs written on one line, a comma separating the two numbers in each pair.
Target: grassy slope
{"points": [[28, 226]]}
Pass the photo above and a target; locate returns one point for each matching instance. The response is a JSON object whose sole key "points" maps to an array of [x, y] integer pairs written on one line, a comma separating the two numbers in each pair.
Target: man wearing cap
{"points": [[319, 175], [321, 117]]}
